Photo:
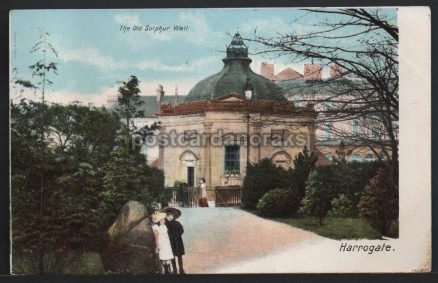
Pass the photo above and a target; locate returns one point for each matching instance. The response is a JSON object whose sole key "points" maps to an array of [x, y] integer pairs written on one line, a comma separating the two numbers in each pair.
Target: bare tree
{"points": [[363, 43]]}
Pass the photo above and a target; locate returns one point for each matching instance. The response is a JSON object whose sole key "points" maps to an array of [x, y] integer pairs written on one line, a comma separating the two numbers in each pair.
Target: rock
{"points": [[130, 246]]}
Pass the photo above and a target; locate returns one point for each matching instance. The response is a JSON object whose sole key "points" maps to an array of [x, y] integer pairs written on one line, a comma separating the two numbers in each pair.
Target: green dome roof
{"points": [[234, 76]]}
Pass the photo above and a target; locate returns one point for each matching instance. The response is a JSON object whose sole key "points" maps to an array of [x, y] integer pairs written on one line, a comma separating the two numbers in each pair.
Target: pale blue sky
{"points": [[94, 54]]}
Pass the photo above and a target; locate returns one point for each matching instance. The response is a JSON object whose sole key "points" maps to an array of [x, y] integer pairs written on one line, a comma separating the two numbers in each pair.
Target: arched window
{"points": [[356, 157], [282, 159]]}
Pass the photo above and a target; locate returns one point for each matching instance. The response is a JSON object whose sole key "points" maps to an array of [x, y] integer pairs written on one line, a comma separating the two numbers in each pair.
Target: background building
{"points": [[151, 106], [331, 134]]}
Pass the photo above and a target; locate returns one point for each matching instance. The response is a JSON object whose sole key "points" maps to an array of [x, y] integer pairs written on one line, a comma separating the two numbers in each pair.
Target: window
{"points": [[232, 158], [356, 157], [369, 157], [327, 106], [383, 156], [354, 127], [329, 156], [190, 135], [328, 131]]}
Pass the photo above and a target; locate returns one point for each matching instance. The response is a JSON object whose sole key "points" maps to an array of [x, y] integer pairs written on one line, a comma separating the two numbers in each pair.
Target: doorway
{"points": [[191, 176]]}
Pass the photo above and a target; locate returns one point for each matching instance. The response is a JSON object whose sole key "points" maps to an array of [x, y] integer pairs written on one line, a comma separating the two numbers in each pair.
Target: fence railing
{"points": [[228, 196], [185, 196]]}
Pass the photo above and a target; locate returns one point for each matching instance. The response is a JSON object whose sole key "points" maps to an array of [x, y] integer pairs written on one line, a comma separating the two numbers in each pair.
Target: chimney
{"points": [[335, 71], [312, 71], [267, 70], [176, 95], [160, 93]]}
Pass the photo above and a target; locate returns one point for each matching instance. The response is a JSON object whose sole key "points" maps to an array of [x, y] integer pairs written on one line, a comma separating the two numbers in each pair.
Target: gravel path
{"points": [[230, 240], [218, 237]]}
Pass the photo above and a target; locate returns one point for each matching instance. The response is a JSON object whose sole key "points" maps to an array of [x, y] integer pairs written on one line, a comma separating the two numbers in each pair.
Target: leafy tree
{"points": [[82, 166], [77, 145], [379, 204], [129, 106], [19, 84], [304, 163], [40, 71], [315, 201], [127, 177]]}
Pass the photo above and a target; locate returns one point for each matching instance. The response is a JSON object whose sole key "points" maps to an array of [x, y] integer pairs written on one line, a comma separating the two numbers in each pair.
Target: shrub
{"points": [[379, 202], [348, 179], [261, 178], [315, 202], [278, 203], [342, 207]]}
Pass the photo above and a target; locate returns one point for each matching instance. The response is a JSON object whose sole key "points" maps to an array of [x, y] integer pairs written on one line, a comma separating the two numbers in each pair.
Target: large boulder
{"points": [[130, 245]]}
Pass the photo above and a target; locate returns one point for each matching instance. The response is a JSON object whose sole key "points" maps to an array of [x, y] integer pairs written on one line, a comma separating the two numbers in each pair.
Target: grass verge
{"points": [[334, 228]]}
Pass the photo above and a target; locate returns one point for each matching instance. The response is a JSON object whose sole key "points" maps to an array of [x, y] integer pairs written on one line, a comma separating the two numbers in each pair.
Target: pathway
{"points": [[217, 237], [231, 240]]}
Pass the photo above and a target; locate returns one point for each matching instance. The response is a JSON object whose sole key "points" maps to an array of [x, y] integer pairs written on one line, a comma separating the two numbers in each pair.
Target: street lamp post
{"points": [[249, 89]]}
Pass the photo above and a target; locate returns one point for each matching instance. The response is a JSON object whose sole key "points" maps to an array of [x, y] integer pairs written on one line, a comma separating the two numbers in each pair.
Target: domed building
{"points": [[233, 77], [206, 136]]}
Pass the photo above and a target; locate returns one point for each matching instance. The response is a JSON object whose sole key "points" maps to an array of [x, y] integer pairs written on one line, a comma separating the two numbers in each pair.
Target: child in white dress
{"points": [[163, 247]]}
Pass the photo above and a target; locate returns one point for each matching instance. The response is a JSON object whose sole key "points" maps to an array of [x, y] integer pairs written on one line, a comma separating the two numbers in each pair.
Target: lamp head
{"points": [[248, 94], [248, 89]]}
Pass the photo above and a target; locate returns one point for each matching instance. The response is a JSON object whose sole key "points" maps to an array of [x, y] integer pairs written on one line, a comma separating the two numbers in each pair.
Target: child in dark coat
{"points": [[175, 230]]}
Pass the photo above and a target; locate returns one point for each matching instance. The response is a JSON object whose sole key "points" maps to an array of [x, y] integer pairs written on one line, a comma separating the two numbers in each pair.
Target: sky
{"points": [[95, 52]]}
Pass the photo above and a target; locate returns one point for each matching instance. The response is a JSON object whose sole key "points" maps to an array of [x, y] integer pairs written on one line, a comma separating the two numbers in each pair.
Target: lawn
{"points": [[334, 228]]}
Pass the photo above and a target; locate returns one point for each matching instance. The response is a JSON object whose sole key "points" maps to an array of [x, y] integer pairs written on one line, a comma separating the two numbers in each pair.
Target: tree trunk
{"points": [[41, 262]]}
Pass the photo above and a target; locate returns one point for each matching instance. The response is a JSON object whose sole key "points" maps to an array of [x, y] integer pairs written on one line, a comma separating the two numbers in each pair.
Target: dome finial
{"points": [[237, 47]]}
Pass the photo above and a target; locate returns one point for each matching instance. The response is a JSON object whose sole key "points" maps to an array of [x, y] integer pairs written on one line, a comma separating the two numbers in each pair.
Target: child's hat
{"points": [[157, 216], [176, 212]]}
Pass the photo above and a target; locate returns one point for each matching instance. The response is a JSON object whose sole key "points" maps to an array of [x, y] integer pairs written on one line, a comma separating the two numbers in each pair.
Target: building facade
{"points": [[211, 129], [311, 87]]}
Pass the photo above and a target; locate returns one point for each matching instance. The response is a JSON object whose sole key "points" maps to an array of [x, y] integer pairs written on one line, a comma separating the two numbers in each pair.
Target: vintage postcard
{"points": [[253, 140]]}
